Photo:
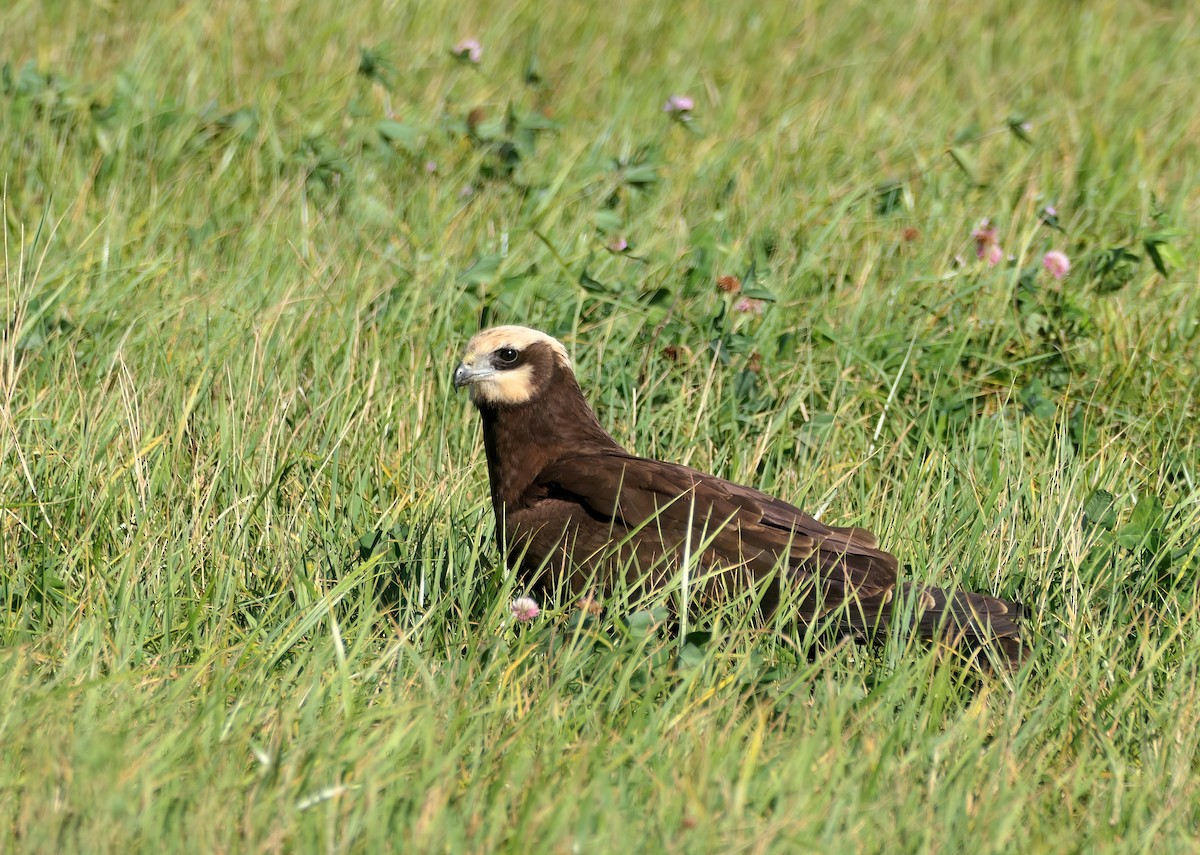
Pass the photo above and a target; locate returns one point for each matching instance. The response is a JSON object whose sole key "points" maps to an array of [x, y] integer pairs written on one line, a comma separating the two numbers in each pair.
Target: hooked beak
{"points": [[464, 374]]}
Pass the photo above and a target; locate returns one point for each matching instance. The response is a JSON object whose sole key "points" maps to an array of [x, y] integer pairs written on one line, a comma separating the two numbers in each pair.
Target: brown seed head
{"points": [[729, 284]]}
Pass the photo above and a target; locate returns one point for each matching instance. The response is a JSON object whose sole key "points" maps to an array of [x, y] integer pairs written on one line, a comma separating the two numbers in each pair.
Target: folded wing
{"points": [[737, 526]]}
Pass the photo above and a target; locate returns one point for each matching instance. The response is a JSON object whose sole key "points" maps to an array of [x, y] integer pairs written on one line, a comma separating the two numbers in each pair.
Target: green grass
{"points": [[250, 599]]}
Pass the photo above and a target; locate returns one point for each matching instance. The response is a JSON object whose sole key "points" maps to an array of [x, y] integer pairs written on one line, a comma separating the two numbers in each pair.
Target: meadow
{"points": [[250, 599]]}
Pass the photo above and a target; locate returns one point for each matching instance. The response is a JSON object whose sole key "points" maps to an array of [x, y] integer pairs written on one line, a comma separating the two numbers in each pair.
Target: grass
{"points": [[250, 597]]}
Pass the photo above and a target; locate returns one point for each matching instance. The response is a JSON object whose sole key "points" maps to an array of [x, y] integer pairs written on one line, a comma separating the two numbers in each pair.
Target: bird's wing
{"points": [[735, 522]]}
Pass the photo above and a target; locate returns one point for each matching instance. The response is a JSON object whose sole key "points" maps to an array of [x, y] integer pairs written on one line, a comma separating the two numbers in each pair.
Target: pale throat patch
{"points": [[505, 387]]}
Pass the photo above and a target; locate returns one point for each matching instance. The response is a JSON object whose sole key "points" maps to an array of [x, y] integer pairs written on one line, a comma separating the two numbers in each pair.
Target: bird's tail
{"points": [[978, 626]]}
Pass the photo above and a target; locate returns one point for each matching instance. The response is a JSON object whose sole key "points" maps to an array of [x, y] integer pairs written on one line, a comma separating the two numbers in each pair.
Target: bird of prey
{"points": [[576, 512]]}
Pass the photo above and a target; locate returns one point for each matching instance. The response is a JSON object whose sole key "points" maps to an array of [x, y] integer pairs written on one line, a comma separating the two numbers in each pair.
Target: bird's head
{"points": [[509, 366]]}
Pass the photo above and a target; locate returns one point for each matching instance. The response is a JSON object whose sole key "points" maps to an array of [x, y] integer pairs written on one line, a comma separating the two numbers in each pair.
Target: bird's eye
{"points": [[506, 355]]}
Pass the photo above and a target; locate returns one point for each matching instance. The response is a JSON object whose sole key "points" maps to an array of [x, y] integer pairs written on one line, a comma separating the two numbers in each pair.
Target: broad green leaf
{"points": [[1100, 509], [482, 271], [1144, 528], [608, 221], [407, 137]]}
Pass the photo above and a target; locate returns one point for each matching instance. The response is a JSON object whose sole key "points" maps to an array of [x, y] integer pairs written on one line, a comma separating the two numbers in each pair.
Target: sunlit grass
{"points": [[251, 598]]}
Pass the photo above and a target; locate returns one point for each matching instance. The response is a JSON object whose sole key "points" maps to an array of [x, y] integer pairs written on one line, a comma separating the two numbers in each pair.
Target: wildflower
{"points": [[524, 609], [987, 243], [1056, 263], [910, 234], [679, 107], [618, 244], [729, 284], [470, 50], [431, 166], [749, 306], [984, 236], [1050, 211]]}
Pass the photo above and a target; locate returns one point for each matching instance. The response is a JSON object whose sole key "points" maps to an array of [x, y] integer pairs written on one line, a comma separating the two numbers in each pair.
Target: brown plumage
{"points": [[574, 511]]}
